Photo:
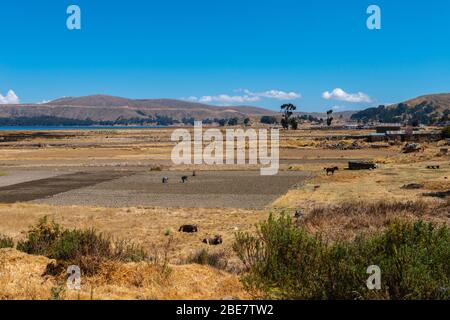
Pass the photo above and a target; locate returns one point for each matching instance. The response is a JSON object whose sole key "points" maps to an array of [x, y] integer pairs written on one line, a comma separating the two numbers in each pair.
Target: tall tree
{"points": [[329, 117], [287, 110]]}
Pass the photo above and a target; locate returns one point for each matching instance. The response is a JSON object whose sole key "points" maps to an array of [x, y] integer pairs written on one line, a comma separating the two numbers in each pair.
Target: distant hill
{"points": [[104, 108], [426, 109], [339, 115]]}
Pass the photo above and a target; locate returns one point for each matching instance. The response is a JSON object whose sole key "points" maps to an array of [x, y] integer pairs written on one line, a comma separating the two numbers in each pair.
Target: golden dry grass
{"points": [[21, 278], [384, 183], [145, 226], [346, 221]]}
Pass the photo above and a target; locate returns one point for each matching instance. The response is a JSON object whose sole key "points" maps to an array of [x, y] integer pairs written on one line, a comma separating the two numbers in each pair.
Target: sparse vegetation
{"points": [[284, 261]]}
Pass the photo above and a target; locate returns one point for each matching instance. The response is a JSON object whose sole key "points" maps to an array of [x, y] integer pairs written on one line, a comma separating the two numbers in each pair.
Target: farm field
{"points": [[111, 181]]}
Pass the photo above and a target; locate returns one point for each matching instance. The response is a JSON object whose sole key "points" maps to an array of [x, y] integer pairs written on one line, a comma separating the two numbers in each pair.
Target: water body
{"points": [[74, 128]]}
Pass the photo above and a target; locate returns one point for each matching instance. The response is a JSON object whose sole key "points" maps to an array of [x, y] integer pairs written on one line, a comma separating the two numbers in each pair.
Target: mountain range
{"points": [[105, 109], [109, 108]]}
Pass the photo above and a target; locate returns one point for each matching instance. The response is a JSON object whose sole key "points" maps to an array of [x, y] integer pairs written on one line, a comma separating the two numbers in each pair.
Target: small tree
{"points": [[293, 122], [287, 110], [446, 132], [233, 121], [269, 120], [329, 117], [246, 121]]}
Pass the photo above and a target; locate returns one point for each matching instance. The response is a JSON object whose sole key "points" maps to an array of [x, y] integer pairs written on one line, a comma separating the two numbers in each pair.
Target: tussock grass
{"points": [[217, 259]]}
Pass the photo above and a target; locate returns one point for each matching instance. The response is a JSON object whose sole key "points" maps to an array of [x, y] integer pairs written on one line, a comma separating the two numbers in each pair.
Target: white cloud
{"points": [[224, 98], [10, 98], [275, 94], [247, 96], [339, 94]]}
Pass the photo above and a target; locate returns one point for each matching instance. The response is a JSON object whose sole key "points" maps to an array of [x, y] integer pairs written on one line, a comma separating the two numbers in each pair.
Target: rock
{"points": [[361, 165], [413, 186]]}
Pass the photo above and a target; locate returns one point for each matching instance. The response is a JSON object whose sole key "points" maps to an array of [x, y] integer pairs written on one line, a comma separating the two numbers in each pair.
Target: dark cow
{"points": [[188, 228], [332, 170], [213, 241], [165, 180], [184, 179]]}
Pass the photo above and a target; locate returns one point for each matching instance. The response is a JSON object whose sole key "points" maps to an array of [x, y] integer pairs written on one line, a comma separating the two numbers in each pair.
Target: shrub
{"points": [[6, 242], [282, 260], [285, 262], [86, 248]]}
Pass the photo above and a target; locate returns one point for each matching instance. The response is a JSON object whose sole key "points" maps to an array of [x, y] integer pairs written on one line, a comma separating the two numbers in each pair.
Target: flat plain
{"points": [[110, 180]]}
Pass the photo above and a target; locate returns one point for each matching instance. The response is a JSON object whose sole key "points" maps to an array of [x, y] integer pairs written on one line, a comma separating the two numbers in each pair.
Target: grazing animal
{"points": [[188, 228], [332, 170], [213, 241], [184, 179], [298, 216], [165, 180], [434, 167]]}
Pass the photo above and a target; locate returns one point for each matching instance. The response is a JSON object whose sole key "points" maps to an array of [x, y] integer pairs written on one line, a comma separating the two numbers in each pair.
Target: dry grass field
{"points": [[110, 181]]}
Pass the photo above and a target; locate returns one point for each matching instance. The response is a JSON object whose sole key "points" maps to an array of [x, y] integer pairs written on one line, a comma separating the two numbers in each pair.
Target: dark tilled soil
{"points": [[210, 189], [44, 188]]}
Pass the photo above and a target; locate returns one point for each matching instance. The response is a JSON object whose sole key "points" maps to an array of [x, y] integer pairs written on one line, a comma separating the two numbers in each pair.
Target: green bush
{"points": [[283, 261], [86, 248], [6, 242]]}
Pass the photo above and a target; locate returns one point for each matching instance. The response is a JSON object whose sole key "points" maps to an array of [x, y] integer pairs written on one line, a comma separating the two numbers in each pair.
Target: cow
{"points": [[188, 228], [165, 180], [184, 179], [213, 241], [332, 170]]}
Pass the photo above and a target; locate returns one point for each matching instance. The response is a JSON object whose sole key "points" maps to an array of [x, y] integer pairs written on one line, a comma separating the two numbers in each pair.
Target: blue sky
{"points": [[220, 51]]}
